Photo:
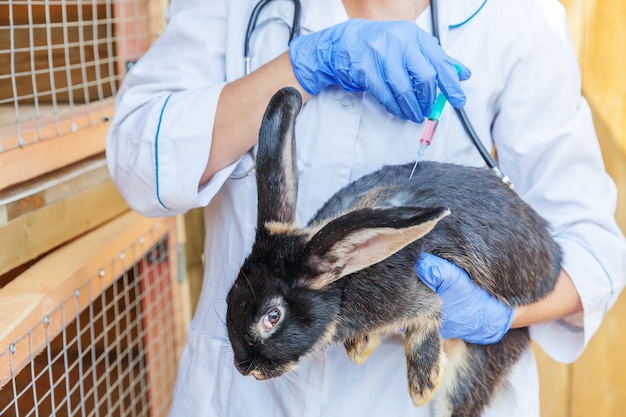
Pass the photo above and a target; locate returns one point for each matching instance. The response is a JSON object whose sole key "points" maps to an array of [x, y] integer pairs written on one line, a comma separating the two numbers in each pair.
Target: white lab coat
{"points": [[523, 96]]}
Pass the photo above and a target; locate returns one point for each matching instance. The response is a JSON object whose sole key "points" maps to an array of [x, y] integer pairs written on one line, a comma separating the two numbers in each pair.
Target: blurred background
{"points": [[95, 299]]}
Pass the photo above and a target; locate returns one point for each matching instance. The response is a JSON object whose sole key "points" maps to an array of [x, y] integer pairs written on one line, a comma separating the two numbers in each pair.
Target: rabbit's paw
{"points": [[360, 348], [424, 381]]}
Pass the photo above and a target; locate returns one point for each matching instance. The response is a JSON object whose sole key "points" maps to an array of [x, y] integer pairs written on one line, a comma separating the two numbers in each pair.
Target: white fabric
{"points": [[523, 96]]}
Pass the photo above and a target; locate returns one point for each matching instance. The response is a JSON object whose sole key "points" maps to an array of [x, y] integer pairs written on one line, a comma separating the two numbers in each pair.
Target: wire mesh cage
{"points": [[62, 61], [109, 348], [95, 325]]}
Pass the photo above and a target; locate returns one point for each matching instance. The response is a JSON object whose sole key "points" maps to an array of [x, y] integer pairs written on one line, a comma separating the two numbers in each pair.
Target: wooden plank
{"points": [[598, 33], [28, 162], [194, 253], [555, 386], [25, 205], [95, 174], [598, 376], [54, 187], [61, 183], [49, 122], [39, 291], [42, 230]]}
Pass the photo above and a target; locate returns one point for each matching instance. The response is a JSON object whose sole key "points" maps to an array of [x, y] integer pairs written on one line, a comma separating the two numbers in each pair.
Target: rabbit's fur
{"points": [[349, 275]]}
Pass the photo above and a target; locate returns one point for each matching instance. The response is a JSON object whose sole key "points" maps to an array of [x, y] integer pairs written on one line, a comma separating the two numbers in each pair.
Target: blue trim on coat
{"points": [[156, 152], [469, 18]]}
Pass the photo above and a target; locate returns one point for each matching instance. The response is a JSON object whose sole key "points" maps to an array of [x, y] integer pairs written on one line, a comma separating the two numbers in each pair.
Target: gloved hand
{"points": [[396, 61], [469, 312]]}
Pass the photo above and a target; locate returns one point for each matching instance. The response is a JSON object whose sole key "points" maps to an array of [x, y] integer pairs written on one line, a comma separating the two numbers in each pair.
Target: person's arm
{"points": [[240, 109], [561, 302], [160, 134], [180, 123], [396, 62]]}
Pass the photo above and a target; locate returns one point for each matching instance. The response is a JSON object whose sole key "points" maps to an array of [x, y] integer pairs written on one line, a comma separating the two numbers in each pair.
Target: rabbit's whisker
{"points": [[248, 367], [293, 385], [249, 284]]}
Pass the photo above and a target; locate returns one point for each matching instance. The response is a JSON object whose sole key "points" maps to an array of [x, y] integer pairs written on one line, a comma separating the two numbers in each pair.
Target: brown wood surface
{"points": [[29, 162], [41, 230], [194, 253]]}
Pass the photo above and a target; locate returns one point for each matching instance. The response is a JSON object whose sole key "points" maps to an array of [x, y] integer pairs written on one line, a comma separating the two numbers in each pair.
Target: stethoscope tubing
{"points": [[254, 16], [462, 115]]}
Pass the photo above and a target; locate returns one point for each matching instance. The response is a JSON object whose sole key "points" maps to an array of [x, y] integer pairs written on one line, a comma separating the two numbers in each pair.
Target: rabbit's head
{"points": [[284, 303], [273, 317]]}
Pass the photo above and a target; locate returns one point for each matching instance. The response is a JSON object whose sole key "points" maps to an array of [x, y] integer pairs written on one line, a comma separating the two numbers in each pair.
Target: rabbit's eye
{"points": [[272, 318]]}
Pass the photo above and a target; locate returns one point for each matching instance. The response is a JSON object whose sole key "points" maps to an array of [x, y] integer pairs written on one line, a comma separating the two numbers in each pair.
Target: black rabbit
{"points": [[349, 275]]}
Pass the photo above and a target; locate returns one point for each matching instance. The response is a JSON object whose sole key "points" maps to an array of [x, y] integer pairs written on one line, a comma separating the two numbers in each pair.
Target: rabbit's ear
{"points": [[276, 170], [363, 237]]}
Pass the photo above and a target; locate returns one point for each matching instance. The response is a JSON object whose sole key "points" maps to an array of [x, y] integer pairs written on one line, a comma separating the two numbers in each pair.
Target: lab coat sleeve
{"points": [[546, 143], [160, 136]]}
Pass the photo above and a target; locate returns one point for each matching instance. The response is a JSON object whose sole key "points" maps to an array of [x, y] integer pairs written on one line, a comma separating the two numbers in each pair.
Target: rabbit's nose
{"points": [[246, 368]]}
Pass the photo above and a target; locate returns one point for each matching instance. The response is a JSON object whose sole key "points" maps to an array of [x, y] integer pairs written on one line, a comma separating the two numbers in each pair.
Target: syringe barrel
{"points": [[428, 132]]}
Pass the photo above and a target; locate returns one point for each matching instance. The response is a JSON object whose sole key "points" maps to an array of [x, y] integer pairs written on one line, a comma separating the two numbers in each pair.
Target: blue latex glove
{"points": [[469, 312], [396, 61]]}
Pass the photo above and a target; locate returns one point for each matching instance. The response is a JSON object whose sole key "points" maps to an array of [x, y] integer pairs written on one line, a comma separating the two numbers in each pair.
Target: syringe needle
{"points": [[429, 129], [420, 154], [413, 170], [431, 124]]}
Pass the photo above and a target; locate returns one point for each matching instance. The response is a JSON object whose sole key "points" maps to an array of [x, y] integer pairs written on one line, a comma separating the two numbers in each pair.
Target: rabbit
{"points": [[349, 275]]}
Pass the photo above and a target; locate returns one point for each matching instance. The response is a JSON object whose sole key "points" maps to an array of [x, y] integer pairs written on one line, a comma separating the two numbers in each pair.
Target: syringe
{"points": [[429, 129]]}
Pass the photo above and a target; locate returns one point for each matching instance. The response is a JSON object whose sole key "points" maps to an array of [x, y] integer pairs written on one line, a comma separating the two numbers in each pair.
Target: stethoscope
{"points": [[295, 28], [434, 14]]}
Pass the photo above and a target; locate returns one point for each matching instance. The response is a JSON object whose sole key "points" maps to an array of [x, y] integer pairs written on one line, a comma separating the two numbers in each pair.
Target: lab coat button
{"points": [[347, 101]]}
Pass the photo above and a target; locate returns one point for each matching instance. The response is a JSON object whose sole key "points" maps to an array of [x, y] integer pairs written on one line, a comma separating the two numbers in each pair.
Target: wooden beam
{"points": [[94, 261], [37, 232], [28, 162], [194, 253], [598, 32], [555, 380], [51, 188], [598, 377]]}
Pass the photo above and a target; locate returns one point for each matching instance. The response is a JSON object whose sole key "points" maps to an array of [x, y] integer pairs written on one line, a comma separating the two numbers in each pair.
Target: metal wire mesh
{"points": [[116, 357], [61, 62]]}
